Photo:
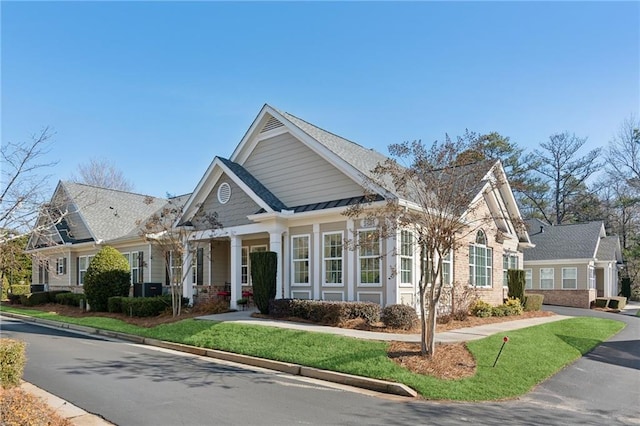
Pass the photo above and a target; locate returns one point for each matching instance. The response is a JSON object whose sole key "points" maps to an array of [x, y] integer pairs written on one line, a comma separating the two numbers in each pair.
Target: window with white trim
{"points": [[546, 278], [447, 268], [528, 279], [83, 265], [509, 261], [175, 267], [570, 278], [300, 259], [592, 277], [480, 262], [244, 265], [135, 264], [369, 256], [61, 266], [332, 258], [406, 257]]}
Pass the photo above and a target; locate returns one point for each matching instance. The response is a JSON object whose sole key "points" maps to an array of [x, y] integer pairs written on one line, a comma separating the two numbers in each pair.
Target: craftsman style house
{"points": [[285, 189], [573, 264]]}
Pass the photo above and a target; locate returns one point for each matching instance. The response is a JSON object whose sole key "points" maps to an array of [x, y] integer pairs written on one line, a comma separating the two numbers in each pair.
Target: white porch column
{"points": [[391, 278], [236, 270], [317, 261], [275, 245], [286, 258], [187, 283]]}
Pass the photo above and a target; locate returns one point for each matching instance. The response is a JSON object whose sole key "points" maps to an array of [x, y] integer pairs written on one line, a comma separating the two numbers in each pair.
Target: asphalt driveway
{"points": [[605, 382]]}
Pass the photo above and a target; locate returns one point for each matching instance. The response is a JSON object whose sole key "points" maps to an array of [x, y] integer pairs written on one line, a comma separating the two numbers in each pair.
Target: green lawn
{"points": [[531, 355]]}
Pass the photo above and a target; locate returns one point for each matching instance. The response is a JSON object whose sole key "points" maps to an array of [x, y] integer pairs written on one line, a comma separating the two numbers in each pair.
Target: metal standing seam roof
{"points": [[111, 214], [557, 242]]}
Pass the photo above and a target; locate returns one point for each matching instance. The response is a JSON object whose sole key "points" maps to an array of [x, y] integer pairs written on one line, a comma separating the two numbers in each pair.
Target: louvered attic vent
{"points": [[271, 124]]}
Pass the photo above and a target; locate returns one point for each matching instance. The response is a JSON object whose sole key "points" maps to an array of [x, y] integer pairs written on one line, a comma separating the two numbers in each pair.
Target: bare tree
{"points": [[102, 173], [23, 186], [432, 199], [172, 240], [623, 154], [563, 171]]}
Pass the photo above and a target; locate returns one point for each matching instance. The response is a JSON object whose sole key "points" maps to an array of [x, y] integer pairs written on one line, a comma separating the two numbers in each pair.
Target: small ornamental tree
{"points": [[516, 282], [264, 267], [108, 275]]}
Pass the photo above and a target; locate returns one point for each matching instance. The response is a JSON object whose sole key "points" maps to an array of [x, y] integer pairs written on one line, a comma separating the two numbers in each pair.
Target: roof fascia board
{"points": [[204, 187], [558, 261], [245, 187], [73, 203]]}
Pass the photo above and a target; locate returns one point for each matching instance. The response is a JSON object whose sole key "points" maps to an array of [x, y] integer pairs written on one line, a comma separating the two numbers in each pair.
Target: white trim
{"points": [[341, 293], [557, 262], [530, 272], [308, 259], [351, 264], [317, 256], [379, 293], [341, 259], [307, 292], [360, 257]]}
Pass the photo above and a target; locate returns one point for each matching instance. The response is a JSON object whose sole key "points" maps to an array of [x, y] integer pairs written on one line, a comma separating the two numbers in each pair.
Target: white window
{"points": [[175, 267], [369, 256], [569, 278], [332, 258], [83, 265], [406, 257], [244, 265], [300, 259], [546, 278], [480, 262], [509, 261], [135, 265], [61, 266], [528, 279], [592, 277], [447, 268], [194, 270]]}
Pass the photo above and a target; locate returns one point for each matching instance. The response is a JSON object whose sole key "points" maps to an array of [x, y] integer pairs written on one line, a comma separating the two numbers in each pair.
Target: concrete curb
{"points": [[284, 367]]}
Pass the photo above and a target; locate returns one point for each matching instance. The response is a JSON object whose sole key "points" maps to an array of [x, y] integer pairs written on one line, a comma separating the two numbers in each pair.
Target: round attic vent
{"points": [[224, 193]]}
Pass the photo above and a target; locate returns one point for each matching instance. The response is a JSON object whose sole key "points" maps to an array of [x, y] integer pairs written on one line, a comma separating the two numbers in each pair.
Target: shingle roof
{"points": [[576, 241], [609, 249], [255, 185], [363, 159], [109, 213]]}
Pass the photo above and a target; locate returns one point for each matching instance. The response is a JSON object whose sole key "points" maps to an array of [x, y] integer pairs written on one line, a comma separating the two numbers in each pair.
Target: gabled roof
{"points": [[609, 249], [106, 214], [557, 242], [257, 187]]}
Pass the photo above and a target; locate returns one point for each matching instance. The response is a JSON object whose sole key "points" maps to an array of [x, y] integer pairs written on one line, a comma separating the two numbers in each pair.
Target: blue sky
{"points": [[160, 88]]}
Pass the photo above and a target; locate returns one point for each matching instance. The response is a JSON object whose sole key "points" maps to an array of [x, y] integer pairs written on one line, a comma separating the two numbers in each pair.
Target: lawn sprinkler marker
{"points": [[505, 339]]}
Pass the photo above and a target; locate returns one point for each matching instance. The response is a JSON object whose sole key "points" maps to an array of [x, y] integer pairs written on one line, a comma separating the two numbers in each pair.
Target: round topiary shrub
{"points": [[108, 275], [399, 316], [481, 309]]}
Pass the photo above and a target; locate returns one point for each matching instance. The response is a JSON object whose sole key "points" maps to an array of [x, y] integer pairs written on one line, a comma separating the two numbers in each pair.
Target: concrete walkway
{"points": [[459, 335]]}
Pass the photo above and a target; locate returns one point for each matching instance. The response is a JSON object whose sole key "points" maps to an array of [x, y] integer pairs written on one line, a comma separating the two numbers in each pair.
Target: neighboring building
{"points": [[571, 265], [285, 189], [78, 221]]}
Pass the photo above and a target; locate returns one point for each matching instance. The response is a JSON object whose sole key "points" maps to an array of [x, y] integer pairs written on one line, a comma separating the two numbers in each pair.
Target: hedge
{"points": [[12, 361], [533, 302], [324, 312], [71, 299]]}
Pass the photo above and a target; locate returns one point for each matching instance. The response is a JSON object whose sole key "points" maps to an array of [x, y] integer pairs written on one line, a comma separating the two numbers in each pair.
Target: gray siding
{"points": [[297, 175], [220, 262], [235, 211]]}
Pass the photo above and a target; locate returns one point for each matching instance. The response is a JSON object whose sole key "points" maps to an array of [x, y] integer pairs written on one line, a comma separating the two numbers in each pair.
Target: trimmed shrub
{"points": [[324, 312], [114, 304], [625, 288], [513, 307], [399, 316], [71, 299], [12, 361], [533, 302], [108, 275], [499, 311], [54, 293], [481, 309], [147, 306], [516, 280], [264, 267], [34, 299], [14, 299]]}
